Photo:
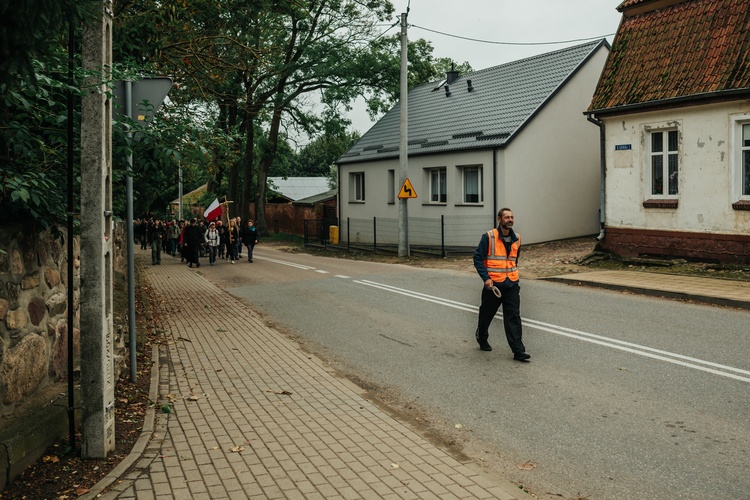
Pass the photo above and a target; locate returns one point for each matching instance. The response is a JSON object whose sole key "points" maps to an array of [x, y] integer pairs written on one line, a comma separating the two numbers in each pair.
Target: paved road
{"points": [[626, 396]]}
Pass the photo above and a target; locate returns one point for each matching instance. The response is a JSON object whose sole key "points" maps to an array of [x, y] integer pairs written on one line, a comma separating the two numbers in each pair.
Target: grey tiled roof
{"points": [[504, 98], [297, 188]]}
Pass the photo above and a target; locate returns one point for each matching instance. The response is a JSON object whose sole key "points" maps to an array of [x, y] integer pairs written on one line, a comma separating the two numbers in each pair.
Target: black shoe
{"points": [[484, 346], [190, 265], [522, 357], [198, 264]]}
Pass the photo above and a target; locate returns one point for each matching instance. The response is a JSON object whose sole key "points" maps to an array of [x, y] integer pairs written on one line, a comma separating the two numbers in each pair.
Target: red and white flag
{"points": [[213, 211]]}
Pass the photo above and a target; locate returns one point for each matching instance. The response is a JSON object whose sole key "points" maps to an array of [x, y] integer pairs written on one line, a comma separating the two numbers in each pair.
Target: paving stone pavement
{"points": [[253, 416]]}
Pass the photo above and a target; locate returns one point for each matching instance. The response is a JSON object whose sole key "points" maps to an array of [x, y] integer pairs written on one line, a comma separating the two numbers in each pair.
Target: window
{"points": [[437, 182], [391, 187], [357, 186], [663, 163], [472, 184], [745, 160]]}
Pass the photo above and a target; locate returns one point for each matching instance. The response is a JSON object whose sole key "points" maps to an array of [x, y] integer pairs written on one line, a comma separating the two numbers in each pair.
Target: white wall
{"points": [[376, 193], [551, 178], [549, 175], [707, 185]]}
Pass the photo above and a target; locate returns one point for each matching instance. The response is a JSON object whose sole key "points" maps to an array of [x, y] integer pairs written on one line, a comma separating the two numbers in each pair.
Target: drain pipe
{"points": [[494, 187], [602, 174]]}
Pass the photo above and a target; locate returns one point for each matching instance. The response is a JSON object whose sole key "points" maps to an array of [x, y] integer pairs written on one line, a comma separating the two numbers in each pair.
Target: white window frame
{"points": [[480, 184], [739, 150], [664, 155], [357, 187], [391, 187], [436, 176]]}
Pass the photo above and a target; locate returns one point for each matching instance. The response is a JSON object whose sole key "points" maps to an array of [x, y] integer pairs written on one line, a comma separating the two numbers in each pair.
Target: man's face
{"points": [[505, 219]]}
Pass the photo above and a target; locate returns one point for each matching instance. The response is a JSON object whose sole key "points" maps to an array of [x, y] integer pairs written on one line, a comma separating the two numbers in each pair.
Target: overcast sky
{"points": [[507, 21]]}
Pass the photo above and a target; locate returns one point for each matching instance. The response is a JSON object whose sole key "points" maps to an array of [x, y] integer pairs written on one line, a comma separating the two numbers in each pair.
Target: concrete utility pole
{"points": [[403, 155], [97, 336]]}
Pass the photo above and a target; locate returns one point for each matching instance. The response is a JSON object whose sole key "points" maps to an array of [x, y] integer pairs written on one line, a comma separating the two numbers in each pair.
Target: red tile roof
{"points": [[688, 48]]}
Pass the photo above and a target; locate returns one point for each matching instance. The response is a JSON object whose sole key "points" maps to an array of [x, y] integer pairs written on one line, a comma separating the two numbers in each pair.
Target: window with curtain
{"points": [[438, 188], [472, 184], [357, 186], [745, 159], [663, 163]]}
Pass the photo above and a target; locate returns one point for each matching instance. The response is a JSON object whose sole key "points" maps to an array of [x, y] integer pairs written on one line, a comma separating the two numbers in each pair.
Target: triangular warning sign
{"points": [[407, 190]]}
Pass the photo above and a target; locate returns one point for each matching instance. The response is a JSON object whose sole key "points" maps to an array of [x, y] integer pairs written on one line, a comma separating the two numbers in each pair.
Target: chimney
{"points": [[452, 75]]}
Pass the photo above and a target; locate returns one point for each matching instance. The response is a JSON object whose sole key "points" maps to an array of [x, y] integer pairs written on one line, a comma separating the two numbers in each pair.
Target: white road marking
{"points": [[649, 352], [285, 263]]}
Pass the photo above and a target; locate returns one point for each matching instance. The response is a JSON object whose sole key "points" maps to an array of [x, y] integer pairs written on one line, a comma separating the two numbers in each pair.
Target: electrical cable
{"points": [[509, 43]]}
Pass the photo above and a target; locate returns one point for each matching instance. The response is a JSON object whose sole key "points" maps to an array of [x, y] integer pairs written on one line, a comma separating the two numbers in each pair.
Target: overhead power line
{"points": [[510, 43]]}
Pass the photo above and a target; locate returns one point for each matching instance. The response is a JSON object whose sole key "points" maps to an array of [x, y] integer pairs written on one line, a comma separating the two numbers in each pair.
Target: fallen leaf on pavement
{"points": [[237, 449], [526, 466]]}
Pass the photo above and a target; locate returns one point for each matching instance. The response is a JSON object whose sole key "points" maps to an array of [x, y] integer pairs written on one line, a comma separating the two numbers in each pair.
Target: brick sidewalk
{"points": [[252, 416]]}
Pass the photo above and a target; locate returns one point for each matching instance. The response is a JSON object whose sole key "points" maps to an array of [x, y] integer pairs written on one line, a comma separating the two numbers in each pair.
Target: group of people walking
{"points": [[193, 239]]}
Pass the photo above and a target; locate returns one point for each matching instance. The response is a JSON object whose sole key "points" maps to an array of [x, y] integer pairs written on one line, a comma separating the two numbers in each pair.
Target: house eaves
{"points": [[481, 110]]}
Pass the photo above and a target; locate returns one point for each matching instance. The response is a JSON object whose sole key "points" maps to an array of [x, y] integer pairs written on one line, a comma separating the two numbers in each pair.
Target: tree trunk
{"points": [[248, 162], [265, 166]]}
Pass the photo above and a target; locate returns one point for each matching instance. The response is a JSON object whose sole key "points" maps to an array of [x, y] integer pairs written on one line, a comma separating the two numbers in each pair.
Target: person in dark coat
{"points": [[193, 241], [249, 236]]}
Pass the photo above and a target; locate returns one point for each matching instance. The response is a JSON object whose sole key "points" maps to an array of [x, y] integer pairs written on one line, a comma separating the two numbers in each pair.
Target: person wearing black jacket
{"points": [[156, 236], [249, 237], [496, 262], [193, 241]]}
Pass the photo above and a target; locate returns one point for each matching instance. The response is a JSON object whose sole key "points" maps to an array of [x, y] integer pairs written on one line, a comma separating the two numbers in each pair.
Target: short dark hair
{"points": [[505, 209]]}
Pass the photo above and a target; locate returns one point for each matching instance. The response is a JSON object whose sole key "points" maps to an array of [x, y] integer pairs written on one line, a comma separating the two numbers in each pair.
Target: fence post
{"points": [[374, 235], [442, 234], [348, 236]]}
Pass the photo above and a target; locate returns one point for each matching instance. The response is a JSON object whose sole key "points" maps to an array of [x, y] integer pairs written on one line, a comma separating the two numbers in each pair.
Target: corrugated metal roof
{"points": [[298, 188], [691, 48], [503, 98], [318, 198]]}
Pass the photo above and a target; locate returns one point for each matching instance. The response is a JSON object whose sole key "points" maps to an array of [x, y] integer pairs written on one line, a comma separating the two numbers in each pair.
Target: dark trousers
{"points": [[156, 252], [510, 299], [231, 251], [212, 254]]}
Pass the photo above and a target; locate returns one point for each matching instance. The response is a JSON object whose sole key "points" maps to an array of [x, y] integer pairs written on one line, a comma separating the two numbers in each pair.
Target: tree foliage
{"points": [[247, 74]]}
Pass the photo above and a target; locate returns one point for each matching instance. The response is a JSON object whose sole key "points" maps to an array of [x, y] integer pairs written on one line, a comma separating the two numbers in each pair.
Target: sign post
{"points": [[137, 101]]}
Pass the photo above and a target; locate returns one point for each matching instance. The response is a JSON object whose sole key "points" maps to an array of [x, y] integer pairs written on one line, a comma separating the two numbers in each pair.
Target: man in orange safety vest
{"points": [[496, 261]]}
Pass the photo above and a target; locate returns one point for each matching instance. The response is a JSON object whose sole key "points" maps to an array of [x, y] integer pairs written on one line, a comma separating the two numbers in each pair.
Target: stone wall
{"points": [[34, 310]]}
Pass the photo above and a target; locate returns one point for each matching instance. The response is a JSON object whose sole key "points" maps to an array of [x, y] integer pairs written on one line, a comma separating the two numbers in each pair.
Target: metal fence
{"points": [[450, 234]]}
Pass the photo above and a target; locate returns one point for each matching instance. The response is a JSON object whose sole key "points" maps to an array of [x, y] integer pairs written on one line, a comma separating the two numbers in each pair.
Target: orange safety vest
{"points": [[499, 265]]}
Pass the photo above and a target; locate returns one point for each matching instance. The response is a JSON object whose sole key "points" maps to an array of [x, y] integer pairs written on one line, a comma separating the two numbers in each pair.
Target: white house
{"points": [[674, 104], [512, 135]]}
